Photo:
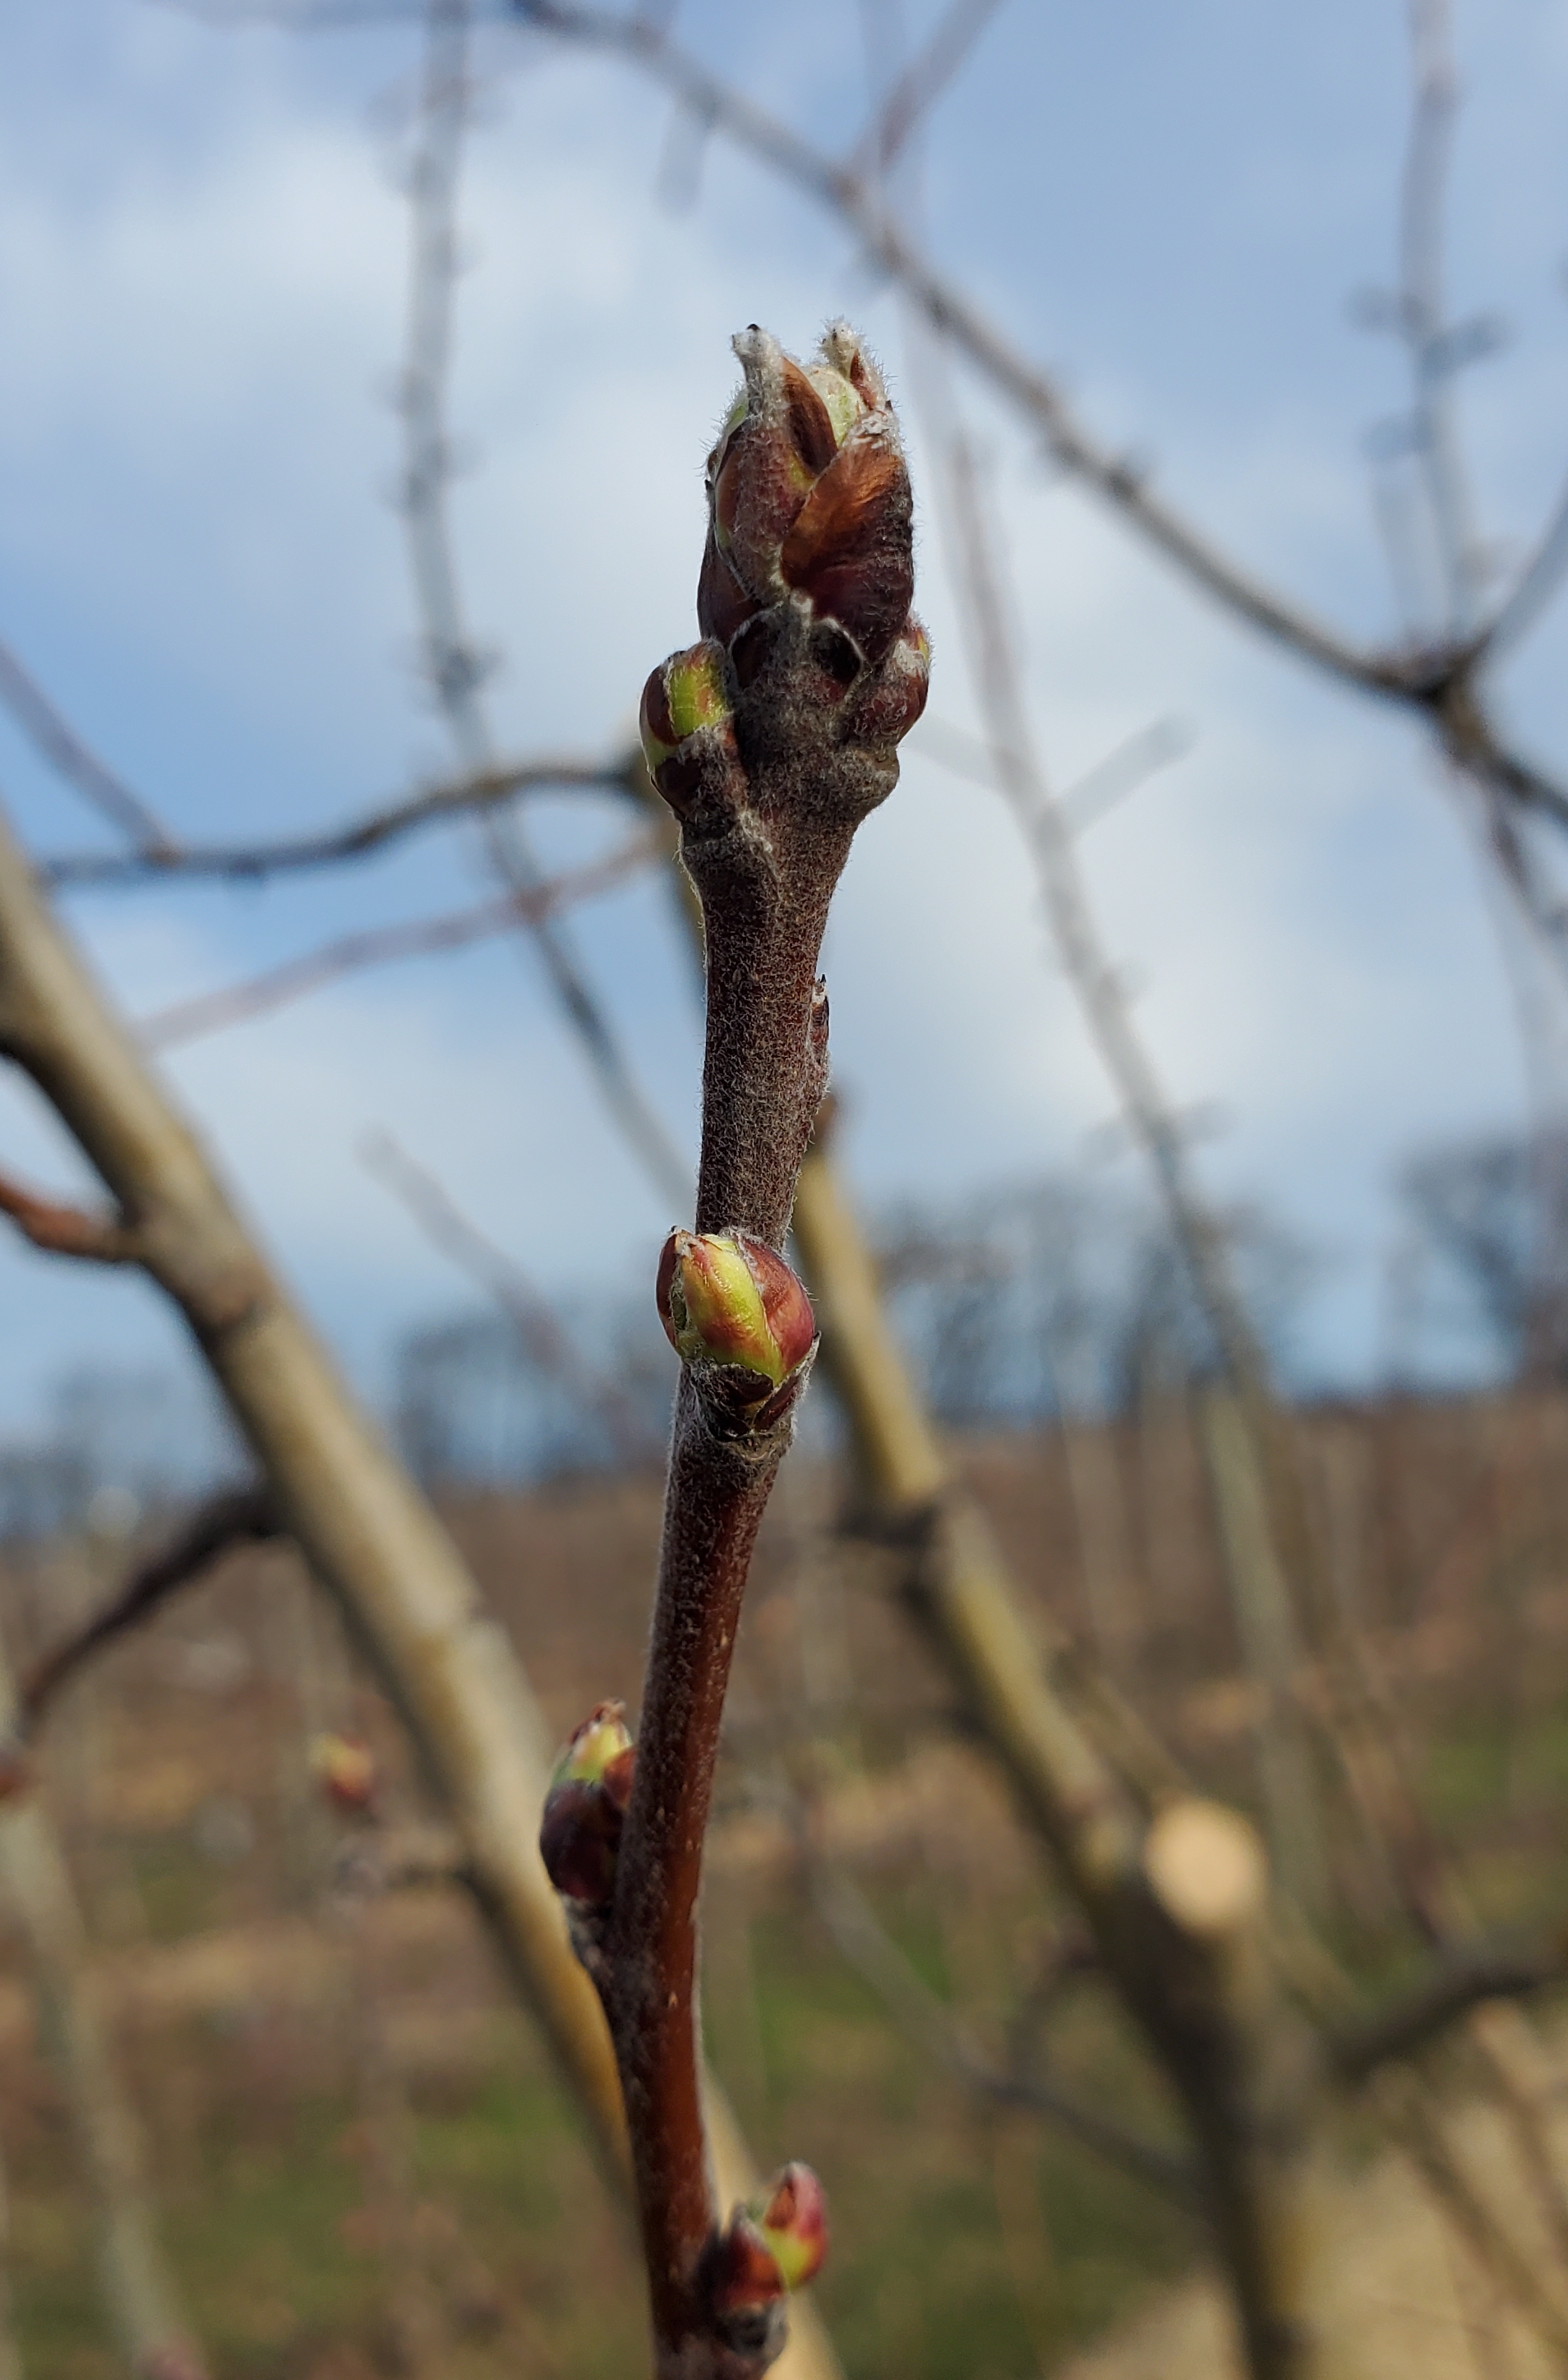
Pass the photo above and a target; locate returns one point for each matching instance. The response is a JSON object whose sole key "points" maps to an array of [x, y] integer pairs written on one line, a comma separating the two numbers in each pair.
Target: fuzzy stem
{"points": [[765, 881], [772, 741], [716, 1498]]}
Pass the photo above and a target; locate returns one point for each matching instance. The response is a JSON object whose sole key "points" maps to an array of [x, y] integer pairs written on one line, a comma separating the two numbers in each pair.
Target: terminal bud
{"points": [[809, 495]]}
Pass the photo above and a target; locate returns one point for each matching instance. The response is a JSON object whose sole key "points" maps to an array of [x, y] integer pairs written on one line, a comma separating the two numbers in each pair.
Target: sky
{"points": [[203, 276]]}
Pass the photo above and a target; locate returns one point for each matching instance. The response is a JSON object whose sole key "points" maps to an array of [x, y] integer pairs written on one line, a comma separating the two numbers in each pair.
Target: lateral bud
{"points": [[586, 1806], [345, 1769], [740, 1320], [793, 2223], [774, 2244], [685, 695]]}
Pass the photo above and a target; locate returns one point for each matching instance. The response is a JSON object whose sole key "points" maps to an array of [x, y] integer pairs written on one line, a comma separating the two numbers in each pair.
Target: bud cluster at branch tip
{"points": [[806, 577], [586, 1806], [736, 1314], [809, 498], [774, 2244], [345, 1769]]}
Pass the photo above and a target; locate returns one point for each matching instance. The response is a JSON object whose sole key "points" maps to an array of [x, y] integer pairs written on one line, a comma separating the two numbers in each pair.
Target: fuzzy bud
{"points": [[808, 497], [345, 1769], [685, 693], [727, 1298], [585, 1808], [686, 698]]}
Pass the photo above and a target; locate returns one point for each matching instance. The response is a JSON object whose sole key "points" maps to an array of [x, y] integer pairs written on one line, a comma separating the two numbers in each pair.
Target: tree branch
{"points": [[1532, 591], [1418, 680], [291, 854], [209, 1012], [599, 1398], [1461, 1978], [69, 756], [920, 85], [455, 665], [868, 1947], [68, 1230], [234, 1516], [772, 741]]}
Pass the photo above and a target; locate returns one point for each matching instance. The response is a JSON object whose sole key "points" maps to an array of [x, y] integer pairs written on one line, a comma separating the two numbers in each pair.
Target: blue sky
{"points": [[203, 271]]}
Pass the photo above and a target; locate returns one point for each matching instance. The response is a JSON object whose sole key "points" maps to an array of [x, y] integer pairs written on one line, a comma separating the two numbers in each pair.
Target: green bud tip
{"points": [[726, 1299], [597, 1751], [792, 2223], [345, 1768], [686, 693]]}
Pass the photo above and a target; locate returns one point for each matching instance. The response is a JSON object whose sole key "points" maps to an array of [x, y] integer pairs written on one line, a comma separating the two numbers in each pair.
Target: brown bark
{"points": [[365, 1530]]}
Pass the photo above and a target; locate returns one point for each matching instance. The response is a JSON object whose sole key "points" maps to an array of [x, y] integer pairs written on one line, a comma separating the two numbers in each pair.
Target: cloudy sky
{"points": [[204, 235]]}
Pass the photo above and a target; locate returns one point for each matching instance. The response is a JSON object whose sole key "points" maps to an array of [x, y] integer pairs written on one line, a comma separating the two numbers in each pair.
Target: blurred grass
{"points": [[969, 2244]]}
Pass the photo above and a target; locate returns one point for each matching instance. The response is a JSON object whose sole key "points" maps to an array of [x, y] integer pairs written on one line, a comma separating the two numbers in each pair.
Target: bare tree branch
{"points": [[1087, 799], [454, 665], [866, 1946], [1435, 684], [248, 862], [69, 756], [920, 85], [234, 1516], [1533, 590], [148, 2324], [67, 1230], [1460, 1979], [187, 1020], [596, 1394], [1435, 352]]}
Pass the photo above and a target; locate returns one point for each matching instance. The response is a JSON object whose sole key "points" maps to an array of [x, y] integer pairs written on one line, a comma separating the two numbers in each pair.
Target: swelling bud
{"points": [[585, 1808], [792, 2223], [345, 1769], [727, 1298]]}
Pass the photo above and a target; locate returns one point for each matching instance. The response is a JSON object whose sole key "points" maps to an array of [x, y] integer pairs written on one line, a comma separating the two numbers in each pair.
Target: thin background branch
{"points": [[452, 662], [59, 744], [209, 1012]]}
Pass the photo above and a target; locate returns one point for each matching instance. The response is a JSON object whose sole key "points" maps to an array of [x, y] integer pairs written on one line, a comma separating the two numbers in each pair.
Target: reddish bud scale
{"points": [[345, 1769], [727, 1298], [584, 1811], [794, 2225], [772, 2244], [809, 496], [744, 2271]]}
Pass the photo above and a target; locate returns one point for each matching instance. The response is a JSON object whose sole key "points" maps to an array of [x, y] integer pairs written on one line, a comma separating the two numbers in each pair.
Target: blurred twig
{"points": [[290, 854], [595, 1391], [148, 2325], [234, 1516], [454, 665], [209, 1012], [921, 84], [69, 757]]}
